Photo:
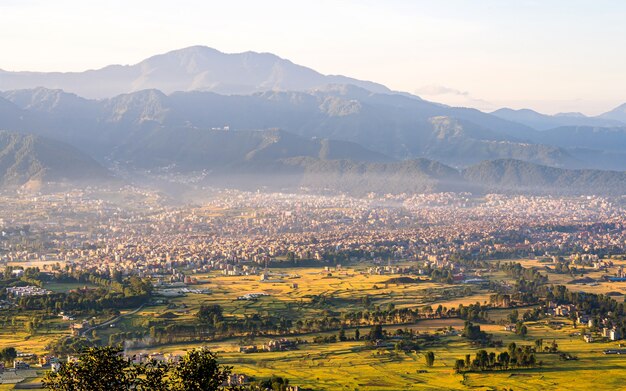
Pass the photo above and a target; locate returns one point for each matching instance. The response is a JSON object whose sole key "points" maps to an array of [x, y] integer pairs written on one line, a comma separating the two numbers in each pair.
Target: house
{"points": [[276, 345], [510, 327], [18, 364], [588, 338], [236, 379], [248, 349], [78, 328], [615, 334]]}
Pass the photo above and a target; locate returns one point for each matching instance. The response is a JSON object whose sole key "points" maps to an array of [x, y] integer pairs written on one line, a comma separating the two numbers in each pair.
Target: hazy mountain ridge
{"points": [[193, 68], [542, 122], [198, 149], [272, 117], [417, 176], [617, 114], [508, 175], [28, 158], [392, 125]]}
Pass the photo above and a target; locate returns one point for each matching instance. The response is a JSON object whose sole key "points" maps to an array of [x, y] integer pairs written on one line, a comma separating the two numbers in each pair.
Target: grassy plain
{"points": [[353, 365]]}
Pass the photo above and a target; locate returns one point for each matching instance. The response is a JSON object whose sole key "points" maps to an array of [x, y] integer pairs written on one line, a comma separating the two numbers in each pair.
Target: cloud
{"points": [[453, 97], [434, 90]]}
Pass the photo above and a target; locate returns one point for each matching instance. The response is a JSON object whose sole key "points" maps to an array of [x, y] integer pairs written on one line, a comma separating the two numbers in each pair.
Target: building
{"points": [[615, 334], [510, 327], [18, 364]]}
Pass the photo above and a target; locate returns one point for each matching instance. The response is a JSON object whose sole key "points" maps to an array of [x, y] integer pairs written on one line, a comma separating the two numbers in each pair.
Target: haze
{"points": [[557, 56]]}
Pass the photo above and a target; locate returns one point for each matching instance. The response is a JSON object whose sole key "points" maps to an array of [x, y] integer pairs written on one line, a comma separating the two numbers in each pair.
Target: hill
{"points": [[617, 114], [540, 121], [392, 125], [515, 176], [31, 160], [189, 149]]}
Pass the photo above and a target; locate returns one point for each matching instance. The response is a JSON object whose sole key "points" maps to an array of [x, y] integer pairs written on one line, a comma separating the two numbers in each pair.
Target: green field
{"points": [[355, 365]]}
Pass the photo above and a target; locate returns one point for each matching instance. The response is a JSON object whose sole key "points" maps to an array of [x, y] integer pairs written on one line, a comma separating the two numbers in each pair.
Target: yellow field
{"points": [[353, 365]]}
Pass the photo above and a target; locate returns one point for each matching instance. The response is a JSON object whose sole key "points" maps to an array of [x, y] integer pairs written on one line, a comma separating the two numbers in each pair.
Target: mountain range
{"points": [[31, 160], [196, 68], [257, 116]]}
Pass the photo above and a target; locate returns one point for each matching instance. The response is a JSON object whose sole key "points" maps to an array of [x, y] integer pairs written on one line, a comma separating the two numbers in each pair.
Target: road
{"points": [[111, 321]]}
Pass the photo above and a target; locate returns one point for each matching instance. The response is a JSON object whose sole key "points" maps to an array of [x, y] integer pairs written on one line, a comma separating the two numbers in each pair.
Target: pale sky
{"points": [[548, 55]]}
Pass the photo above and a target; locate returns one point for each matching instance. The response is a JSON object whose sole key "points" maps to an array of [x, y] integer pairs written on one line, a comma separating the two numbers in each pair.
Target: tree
{"points": [[504, 358], [8, 354], [342, 335], [539, 345], [104, 369], [210, 314], [483, 358], [376, 333], [430, 358], [521, 329], [276, 383], [199, 371], [98, 369], [357, 335], [459, 365], [512, 348], [154, 376]]}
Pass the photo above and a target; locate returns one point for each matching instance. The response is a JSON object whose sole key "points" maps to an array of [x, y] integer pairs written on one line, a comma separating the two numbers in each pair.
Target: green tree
{"points": [[98, 369], [8, 354], [504, 358], [154, 376], [430, 358], [210, 314], [376, 333], [104, 369], [459, 365], [199, 371], [539, 345]]}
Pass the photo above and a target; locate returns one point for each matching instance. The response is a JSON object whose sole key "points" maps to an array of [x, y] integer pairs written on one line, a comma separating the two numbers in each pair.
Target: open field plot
{"points": [[27, 343], [353, 365], [387, 370], [342, 291], [58, 287]]}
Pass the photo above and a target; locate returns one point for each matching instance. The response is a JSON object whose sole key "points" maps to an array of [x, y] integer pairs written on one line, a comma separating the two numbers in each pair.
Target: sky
{"points": [[548, 55]]}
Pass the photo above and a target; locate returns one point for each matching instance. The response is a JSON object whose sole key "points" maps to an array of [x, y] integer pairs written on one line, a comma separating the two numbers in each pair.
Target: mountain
{"points": [[598, 138], [411, 176], [617, 114], [591, 147], [190, 149], [196, 68], [540, 121], [515, 176], [339, 176], [28, 159], [197, 109], [392, 125], [416, 176]]}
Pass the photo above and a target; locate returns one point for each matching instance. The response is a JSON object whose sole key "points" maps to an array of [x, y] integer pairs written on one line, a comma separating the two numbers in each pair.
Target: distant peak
{"points": [[571, 115]]}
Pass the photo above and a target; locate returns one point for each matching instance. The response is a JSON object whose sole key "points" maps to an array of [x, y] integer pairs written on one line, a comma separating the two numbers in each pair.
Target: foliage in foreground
{"points": [[105, 369]]}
